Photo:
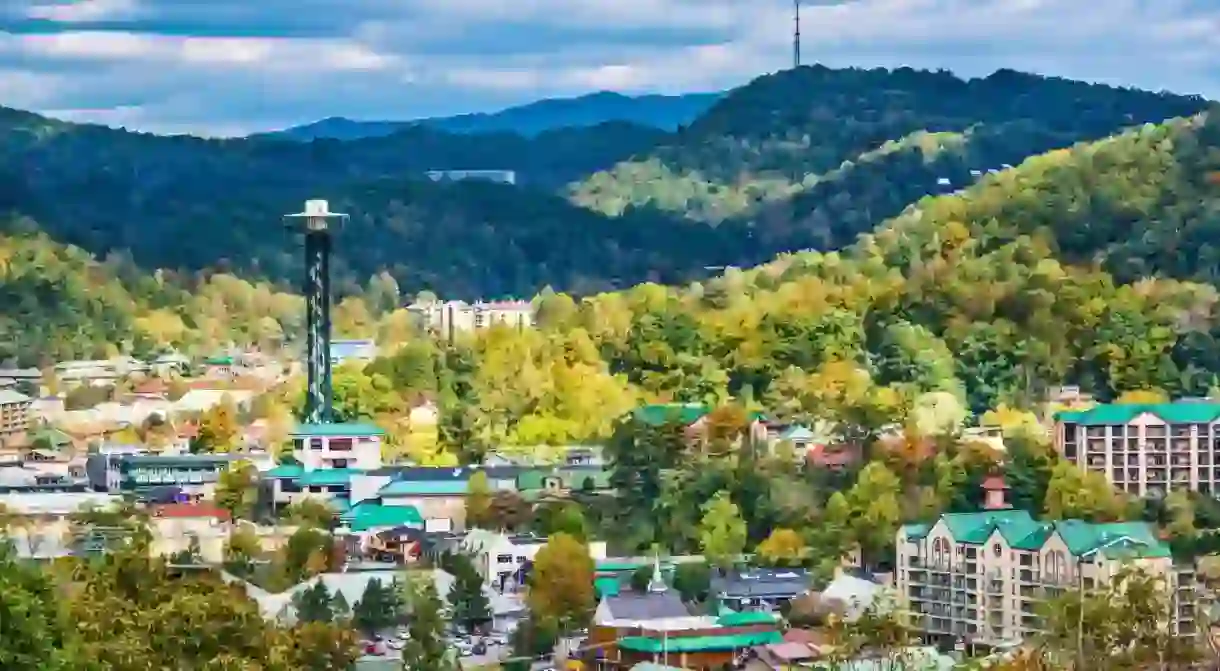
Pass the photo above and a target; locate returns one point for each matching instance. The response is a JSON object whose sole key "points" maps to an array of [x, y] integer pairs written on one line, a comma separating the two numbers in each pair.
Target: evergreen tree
{"points": [[470, 605], [426, 648], [314, 604], [377, 608]]}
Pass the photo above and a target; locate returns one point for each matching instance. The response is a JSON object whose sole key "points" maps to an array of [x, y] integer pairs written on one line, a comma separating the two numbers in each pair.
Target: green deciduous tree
{"points": [[722, 532]]}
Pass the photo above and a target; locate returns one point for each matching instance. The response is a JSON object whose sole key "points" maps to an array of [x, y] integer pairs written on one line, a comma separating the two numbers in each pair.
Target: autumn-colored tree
{"points": [[722, 531], [236, 489], [561, 583], [1074, 493], [218, 428], [1143, 396], [478, 501], [784, 547]]}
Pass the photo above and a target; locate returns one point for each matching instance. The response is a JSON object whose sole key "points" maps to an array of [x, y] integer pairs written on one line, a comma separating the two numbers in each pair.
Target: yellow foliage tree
{"points": [[784, 547]]}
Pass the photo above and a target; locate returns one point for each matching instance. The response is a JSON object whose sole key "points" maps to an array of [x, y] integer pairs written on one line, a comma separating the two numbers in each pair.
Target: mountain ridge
{"points": [[664, 112]]}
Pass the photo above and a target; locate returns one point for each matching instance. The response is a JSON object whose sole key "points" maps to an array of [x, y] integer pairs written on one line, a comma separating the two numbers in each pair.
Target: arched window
{"points": [[1056, 566]]}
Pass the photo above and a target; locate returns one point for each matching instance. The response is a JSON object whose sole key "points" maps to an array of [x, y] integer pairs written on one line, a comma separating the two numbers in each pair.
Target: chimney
{"points": [[994, 497]]}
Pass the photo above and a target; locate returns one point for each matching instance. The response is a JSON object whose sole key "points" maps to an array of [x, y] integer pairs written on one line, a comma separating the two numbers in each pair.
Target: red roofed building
{"points": [[201, 528]]}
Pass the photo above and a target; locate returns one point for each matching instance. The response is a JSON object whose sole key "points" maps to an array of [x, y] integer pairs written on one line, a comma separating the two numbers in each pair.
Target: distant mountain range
{"points": [[657, 111]]}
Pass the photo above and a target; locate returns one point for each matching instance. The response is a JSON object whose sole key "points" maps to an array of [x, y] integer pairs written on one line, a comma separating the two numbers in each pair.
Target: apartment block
{"points": [[451, 316], [14, 417], [978, 578], [1146, 449]]}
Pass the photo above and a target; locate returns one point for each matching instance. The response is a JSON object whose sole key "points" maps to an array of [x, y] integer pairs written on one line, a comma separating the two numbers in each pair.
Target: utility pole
{"points": [[796, 35]]}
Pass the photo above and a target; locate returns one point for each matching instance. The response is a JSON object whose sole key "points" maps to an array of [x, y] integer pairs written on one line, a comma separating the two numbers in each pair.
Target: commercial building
{"points": [[130, 471], [977, 578], [326, 458], [1146, 449]]}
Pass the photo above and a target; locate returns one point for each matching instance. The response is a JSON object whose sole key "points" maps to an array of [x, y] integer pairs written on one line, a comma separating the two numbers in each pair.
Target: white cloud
{"points": [[223, 65]]}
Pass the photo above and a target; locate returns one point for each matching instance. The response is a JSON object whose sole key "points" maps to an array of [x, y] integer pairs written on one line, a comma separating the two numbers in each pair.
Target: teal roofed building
{"points": [[325, 459], [1145, 449], [693, 419], [979, 577]]}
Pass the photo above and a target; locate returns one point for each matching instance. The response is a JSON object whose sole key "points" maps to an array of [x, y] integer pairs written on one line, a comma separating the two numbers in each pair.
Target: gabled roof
{"points": [[373, 514], [10, 396], [700, 643], [1121, 413], [1023, 532], [290, 471]]}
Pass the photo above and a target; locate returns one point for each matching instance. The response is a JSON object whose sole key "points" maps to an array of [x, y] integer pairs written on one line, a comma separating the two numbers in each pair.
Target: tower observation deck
{"points": [[317, 223]]}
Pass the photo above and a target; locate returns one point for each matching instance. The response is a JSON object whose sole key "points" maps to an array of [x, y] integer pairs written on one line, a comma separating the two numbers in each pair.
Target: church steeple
{"points": [[657, 584]]}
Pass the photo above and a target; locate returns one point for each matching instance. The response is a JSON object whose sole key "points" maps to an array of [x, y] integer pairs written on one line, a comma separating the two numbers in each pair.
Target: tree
{"points": [[1123, 626], [478, 501], [875, 510], [784, 547], [641, 577], [316, 646], [310, 513], [426, 648], [467, 599], [1074, 493], [722, 531], [561, 517], [1181, 512], [241, 550], [378, 608], [236, 489], [1143, 396], [509, 512], [693, 580], [31, 632], [561, 583], [313, 604], [218, 428]]}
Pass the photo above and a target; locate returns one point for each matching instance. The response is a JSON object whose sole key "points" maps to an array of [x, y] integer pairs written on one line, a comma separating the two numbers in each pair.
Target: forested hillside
{"points": [[1067, 269], [860, 144], [58, 302]]}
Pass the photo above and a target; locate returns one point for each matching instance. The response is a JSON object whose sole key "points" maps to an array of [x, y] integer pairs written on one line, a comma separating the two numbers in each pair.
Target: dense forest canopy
{"points": [[827, 138]]}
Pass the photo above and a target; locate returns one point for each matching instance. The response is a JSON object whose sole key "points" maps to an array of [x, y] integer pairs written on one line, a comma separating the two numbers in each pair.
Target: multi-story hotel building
{"points": [[977, 578], [14, 417], [1146, 449]]}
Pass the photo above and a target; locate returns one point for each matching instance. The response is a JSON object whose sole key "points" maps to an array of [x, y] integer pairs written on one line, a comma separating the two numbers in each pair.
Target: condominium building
{"points": [[450, 316], [1146, 449], [977, 578], [14, 417]]}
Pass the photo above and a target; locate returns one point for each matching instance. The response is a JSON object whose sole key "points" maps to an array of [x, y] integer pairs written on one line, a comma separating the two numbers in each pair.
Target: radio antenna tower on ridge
{"points": [[796, 35]]}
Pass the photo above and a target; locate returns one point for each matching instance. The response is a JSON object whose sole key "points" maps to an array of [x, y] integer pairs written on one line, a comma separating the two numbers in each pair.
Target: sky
{"points": [[231, 67]]}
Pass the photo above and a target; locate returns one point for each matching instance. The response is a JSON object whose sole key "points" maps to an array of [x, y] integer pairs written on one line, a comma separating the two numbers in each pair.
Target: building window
{"points": [[997, 550]]}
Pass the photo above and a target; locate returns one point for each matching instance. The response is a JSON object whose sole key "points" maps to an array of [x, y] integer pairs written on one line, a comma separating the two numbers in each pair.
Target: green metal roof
{"points": [[607, 586], [1121, 413], [341, 430], [1023, 532], [659, 414], [219, 361], [290, 471], [425, 488], [327, 477], [741, 619], [699, 643], [374, 514]]}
